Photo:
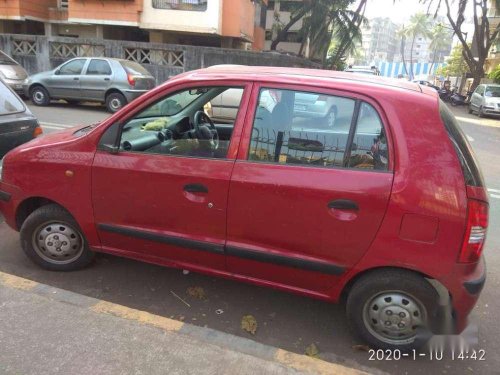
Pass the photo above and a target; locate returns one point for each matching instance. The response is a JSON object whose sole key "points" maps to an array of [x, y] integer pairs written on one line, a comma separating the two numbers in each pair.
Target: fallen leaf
{"points": [[312, 351], [196, 292], [249, 324], [362, 348]]}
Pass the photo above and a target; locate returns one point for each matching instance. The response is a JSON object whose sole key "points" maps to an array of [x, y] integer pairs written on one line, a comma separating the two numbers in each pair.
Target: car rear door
{"points": [[306, 201], [96, 79]]}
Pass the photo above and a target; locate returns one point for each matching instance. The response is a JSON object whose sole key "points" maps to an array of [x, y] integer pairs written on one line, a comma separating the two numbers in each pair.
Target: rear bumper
{"points": [[16, 85], [465, 285], [133, 94]]}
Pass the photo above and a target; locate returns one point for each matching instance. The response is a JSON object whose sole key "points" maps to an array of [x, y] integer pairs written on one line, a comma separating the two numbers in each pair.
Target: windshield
{"points": [[6, 60], [492, 91], [172, 105], [134, 68]]}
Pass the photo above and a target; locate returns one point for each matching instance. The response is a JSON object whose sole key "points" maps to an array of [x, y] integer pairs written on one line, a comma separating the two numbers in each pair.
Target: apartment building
{"points": [[238, 24], [494, 53], [379, 40], [282, 10]]}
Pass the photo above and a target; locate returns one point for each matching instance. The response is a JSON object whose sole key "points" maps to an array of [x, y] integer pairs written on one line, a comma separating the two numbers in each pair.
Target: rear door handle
{"points": [[76, 79], [343, 204], [195, 188], [106, 79]]}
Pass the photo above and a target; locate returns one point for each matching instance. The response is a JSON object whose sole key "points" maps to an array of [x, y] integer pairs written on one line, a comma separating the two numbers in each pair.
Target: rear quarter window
{"points": [[9, 102], [468, 162]]}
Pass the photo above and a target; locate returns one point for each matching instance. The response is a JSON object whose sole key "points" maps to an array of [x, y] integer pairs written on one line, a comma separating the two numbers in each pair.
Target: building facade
{"points": [[379, 40], [235, 24], [279, 12]]}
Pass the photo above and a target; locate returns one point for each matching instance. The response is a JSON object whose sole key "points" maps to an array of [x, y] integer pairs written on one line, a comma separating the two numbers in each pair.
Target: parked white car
{"points": [[485, 100]]}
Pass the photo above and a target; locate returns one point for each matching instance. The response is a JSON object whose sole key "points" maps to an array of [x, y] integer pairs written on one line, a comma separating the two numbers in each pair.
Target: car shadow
{"points": [[90, 106]]}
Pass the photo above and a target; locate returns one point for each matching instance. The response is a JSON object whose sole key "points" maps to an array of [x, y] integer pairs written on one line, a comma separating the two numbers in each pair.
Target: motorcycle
{"points": [[445, 95]]}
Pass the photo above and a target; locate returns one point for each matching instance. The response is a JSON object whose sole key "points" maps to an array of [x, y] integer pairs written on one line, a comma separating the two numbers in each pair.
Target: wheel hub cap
{"points": [[393, 317], [57, 243]]}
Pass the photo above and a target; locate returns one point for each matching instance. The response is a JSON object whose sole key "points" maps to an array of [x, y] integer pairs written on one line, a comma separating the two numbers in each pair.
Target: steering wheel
{"points": [[205, 129]]}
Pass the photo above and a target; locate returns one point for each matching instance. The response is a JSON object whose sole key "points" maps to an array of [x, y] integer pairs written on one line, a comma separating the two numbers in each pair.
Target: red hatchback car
{"points": [[385, 206]]}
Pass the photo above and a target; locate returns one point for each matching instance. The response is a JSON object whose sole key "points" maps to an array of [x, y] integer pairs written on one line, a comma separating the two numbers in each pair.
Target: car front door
{"points": [[96, 80], [306, 199], [477, 97], [65, 81], [162, 196]]}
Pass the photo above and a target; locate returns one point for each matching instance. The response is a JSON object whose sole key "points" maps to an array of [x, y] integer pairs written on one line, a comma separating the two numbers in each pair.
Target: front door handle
{"points": [[343, 204], [195, 188], [76, 79], [107, 79]]}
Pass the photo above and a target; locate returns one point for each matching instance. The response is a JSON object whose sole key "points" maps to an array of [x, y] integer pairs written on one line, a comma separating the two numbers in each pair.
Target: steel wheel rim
{"points": [[393, 317], [115, 104], [38, 96], [57, 242]]}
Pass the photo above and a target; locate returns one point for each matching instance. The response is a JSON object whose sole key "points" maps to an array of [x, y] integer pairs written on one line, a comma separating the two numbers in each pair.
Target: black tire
{"points": [[412, 291], [480, 112], [115, 101], [39, 96], [469, 110], [37, 225]]}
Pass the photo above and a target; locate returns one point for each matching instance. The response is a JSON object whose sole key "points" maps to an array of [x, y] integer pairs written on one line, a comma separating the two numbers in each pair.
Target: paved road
{"points": [[285, 320]]}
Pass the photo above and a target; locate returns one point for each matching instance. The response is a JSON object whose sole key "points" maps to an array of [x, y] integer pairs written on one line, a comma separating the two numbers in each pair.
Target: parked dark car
{"points": [[360, 211], [114, 82], [17, 124]]}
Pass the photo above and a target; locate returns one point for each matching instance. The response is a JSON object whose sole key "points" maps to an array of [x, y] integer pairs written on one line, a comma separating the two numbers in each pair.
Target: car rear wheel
{"points": [[40, 96], [115, 101], [51, 238], [391, 309]]}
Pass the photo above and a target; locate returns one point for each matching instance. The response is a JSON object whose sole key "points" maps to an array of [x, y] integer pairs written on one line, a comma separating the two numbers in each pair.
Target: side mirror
{"points": [[112, 149], [57, 72]]}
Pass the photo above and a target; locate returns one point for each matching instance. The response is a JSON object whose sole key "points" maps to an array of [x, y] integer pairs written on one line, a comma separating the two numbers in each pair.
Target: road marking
{"points": [[495, 196], [494, 190], [16, 282], [52, 125], [469, 138]]}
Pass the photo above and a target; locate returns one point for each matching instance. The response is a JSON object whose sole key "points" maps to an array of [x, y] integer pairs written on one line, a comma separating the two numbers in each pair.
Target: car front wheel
{"points": [[51, 238], [391, 309], [40, 96]]}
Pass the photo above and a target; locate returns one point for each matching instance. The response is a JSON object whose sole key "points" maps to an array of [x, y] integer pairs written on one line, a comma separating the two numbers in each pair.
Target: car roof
{"points": [[285, 74]]}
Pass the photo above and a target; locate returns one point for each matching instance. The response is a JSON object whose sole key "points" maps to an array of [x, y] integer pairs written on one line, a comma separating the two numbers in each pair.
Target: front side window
{"points": [[480, 90], [99, 67], [179, 125], [306, 128], [73, 67]]}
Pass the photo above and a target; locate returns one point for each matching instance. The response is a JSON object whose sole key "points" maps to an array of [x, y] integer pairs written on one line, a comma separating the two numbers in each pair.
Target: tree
{"points": [[495, 74], [403, 34], [419, 26], [455, 65], [483, 36], [324, 20], [440, 39]]}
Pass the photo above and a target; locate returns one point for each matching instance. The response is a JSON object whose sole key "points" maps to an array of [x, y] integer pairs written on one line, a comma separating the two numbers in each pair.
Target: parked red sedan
{"points": [[385, 207]]}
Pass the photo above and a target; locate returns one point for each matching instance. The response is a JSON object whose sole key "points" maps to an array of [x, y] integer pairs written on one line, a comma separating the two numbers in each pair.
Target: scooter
{"points": [[445, 95], [458, 99]]}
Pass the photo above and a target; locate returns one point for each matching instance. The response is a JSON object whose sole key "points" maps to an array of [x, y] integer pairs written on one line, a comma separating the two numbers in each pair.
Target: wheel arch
{"points": [[114, 90], [36, 84], [27, 206], [350, 283]]}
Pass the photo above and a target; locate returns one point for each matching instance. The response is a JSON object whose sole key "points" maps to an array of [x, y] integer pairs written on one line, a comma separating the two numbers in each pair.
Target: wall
{"points": [[116, 12], [209, 21], [21, 9], [190, 57]]}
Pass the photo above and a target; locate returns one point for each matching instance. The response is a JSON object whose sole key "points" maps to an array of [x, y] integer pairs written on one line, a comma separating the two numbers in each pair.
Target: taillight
{"points": [[37, 132], [131, 79], [475, 233]]}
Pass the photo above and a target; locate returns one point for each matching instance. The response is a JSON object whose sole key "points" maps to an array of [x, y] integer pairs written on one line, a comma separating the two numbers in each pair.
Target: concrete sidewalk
{"points": [[46, 330]]}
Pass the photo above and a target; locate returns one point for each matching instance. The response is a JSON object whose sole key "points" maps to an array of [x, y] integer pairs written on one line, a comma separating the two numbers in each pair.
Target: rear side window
{"points": [[312, 129], [99, 67], [132, 67], [470, 169], [9, 102]]}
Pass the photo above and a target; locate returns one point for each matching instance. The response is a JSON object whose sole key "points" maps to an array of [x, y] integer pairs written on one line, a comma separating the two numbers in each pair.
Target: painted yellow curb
{"points": [[313, 365], [16, 282], [137, 315]]}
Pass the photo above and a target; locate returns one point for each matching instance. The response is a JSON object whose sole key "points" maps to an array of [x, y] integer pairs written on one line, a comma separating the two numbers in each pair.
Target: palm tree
{"points": [[440, 39], [403, 34], [419, 26]]}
